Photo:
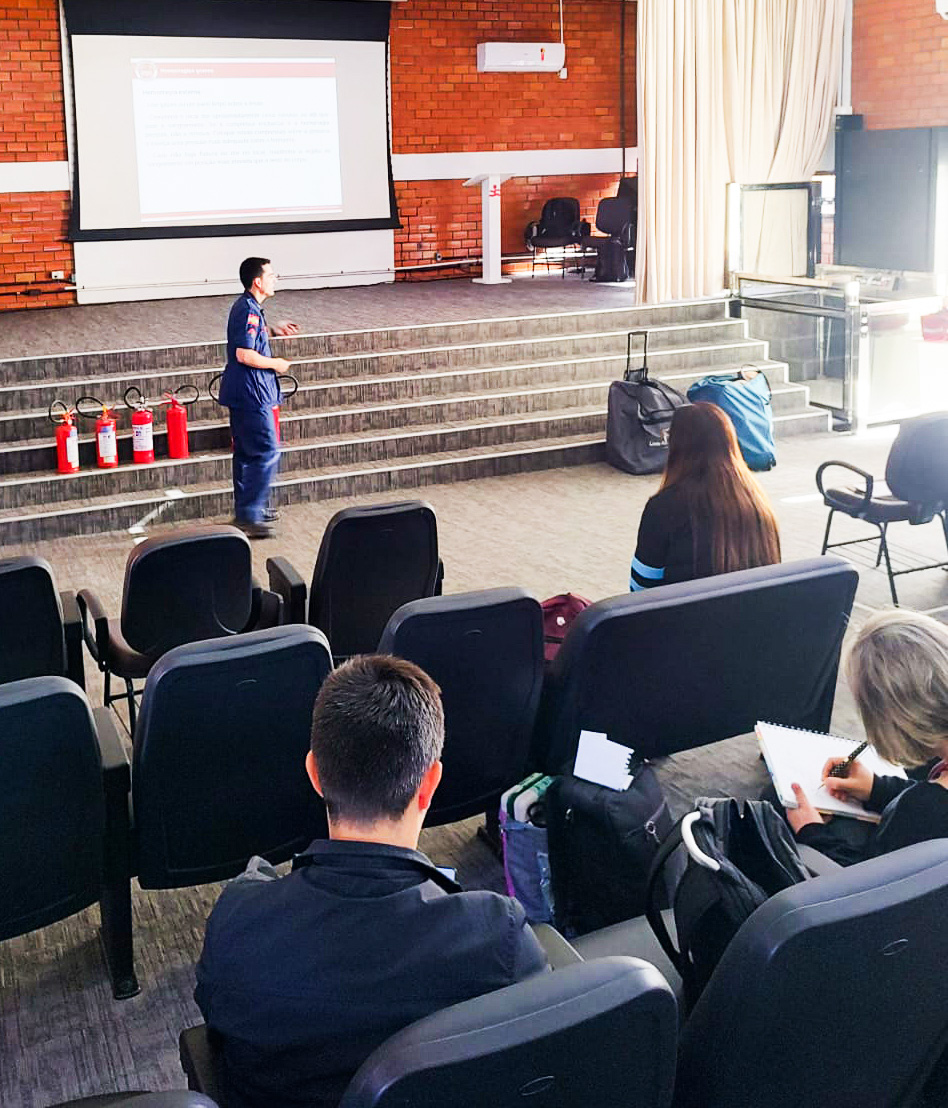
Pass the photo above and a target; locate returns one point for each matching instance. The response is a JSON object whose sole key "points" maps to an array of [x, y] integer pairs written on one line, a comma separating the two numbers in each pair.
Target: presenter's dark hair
{"points": [[378, 727], [251, 269], [722, 496]]}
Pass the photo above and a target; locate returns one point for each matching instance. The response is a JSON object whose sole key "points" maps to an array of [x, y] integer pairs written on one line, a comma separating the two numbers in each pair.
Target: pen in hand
{"points": [[841, 769]]}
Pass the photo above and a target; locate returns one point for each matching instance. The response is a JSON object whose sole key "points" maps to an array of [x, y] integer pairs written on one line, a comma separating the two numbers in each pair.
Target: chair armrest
{"points": [[580, 229], [116, 773], [439, 580], [199, 1060], [72, 631], [816, 862], [530, 232], [287, 583], [271, 609], [97, 637], [867, 477], [559, 952]]}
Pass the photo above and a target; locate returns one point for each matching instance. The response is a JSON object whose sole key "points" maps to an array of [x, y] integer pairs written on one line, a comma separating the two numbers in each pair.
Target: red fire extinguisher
{"points": [[176, 419], [143, 427], [106, 439], [288, 386], [67, 437]]}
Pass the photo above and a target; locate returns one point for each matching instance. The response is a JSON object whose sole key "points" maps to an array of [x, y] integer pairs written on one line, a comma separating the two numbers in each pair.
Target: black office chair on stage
{"points": [[64, 816], [683, 665], [185, 586], [916, 474], [217, 759], [600, 1032], [615, 244], [40, 629], [371, 561], [832, 992], [558, 229], [485, 651]]}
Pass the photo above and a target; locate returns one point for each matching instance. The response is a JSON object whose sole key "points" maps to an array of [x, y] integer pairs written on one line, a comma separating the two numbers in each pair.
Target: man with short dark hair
{"points": [[303, 976], [249, 389]]}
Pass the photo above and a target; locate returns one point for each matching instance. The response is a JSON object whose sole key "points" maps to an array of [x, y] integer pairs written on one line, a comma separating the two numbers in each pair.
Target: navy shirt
{"points": [[242, 386], [303, 976]]}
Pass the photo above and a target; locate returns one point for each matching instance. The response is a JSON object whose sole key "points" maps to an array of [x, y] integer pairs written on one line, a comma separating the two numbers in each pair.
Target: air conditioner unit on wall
{"points": [[520, 57]]}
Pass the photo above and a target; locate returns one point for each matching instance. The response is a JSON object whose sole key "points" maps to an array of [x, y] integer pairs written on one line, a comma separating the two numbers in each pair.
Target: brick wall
{"points": [[32, 129], [900, 63], [441, 103]]}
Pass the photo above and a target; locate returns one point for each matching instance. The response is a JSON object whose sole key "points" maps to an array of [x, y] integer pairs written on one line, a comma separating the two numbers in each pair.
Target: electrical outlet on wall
{"points": [[58, 275]]}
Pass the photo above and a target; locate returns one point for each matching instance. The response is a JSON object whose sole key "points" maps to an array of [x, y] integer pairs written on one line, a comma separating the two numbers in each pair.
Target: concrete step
{"points": [[151, 360], [39, 455], [111, 513], [406, 438], [36, 395]]}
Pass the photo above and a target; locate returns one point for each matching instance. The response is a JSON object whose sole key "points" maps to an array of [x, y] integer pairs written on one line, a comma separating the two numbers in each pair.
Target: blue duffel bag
{"points": [[745, 396]]}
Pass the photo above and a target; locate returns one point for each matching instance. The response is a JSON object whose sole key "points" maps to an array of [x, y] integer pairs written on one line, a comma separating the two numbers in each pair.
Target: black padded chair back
{"points": [[684, 665], [32, 643], [559, 217], [52, 816], [597, 1033], [917, 467], [485, 650], [371, 561], [178, 1098], [186, 586], [613, 215], [831, 993], [217, 768]]}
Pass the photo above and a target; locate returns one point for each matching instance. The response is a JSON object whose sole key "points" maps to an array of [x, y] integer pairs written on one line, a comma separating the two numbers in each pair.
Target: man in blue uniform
{"points": [[249, 389], [303, 976]]}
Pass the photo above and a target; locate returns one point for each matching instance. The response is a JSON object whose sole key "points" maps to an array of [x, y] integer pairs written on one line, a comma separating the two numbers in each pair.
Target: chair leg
{"points": [[132, 709], [882, 529], [826, 533], [115, 910], [884, 547]]}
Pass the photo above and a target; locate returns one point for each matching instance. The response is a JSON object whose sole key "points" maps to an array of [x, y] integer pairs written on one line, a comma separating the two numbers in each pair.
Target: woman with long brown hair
{"points": [[710, 515]]}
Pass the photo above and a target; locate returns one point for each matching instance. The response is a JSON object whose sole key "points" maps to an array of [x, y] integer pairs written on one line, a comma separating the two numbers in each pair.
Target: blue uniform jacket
{"points": [[303, 976], [241, 386]]}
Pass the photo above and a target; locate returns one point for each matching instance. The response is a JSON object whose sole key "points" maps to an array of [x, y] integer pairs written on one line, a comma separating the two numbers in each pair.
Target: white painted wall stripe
{"points": [[458, 166], [34, 177]]}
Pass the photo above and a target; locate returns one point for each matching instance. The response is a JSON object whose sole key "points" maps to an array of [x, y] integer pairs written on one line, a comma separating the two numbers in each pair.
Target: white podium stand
{"points": [[490, 226]]}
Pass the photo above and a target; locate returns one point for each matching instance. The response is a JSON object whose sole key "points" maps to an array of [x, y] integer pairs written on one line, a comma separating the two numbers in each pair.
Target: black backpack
{"points": [[601, 845], [640, 414], [612, 261], [757, 857]]}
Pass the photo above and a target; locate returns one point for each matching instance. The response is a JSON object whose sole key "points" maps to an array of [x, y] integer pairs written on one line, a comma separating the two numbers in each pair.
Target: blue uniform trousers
{"points": [[256, 460]]}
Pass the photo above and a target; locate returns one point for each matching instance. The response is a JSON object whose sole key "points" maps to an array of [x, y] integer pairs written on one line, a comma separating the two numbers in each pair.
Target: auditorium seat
{"points": [[178, 1098], [64, 816], [684, 665], [485, 651], [218, 757], [185, 586], [371, 560], [41, 629], [832, 992], [600, 1032]]}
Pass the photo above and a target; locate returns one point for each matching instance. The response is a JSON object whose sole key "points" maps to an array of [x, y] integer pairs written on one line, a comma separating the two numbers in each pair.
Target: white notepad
{"points": [[794, 755], [602, 761]]}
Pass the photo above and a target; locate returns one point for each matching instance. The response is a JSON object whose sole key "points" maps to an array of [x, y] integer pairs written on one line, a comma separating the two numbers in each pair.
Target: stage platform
{"points": [[401, 387]]}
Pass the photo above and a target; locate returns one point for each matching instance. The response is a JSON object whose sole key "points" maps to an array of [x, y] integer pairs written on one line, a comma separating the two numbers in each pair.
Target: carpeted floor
{"points": [[61, 1033]]}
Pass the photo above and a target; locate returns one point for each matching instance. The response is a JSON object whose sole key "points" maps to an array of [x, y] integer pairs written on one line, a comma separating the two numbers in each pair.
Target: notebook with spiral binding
{"points": [[794, 755]]}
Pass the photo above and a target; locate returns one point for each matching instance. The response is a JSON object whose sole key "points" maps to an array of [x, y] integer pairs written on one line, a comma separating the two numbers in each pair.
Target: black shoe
{"points": [[270, 515], [254, 530]]}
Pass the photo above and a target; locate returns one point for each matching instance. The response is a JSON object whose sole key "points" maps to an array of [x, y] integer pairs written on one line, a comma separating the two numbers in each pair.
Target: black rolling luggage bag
{"points": [[640, 413]]}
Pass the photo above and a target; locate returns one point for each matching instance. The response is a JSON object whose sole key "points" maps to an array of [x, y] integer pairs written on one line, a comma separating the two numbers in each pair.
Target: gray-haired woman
{"points": [[898, 671]]}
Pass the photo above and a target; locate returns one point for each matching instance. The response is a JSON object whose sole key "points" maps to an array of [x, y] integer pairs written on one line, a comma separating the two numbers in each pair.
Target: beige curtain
{"points": [[728, 90]]}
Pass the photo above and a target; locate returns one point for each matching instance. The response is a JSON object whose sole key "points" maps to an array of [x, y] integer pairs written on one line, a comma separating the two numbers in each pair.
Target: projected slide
{"points": [[186, 135], [248, 137]]}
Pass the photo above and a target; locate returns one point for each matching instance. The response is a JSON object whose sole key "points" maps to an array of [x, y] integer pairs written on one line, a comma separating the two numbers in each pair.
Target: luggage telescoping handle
{"points": [[643, 370]]}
